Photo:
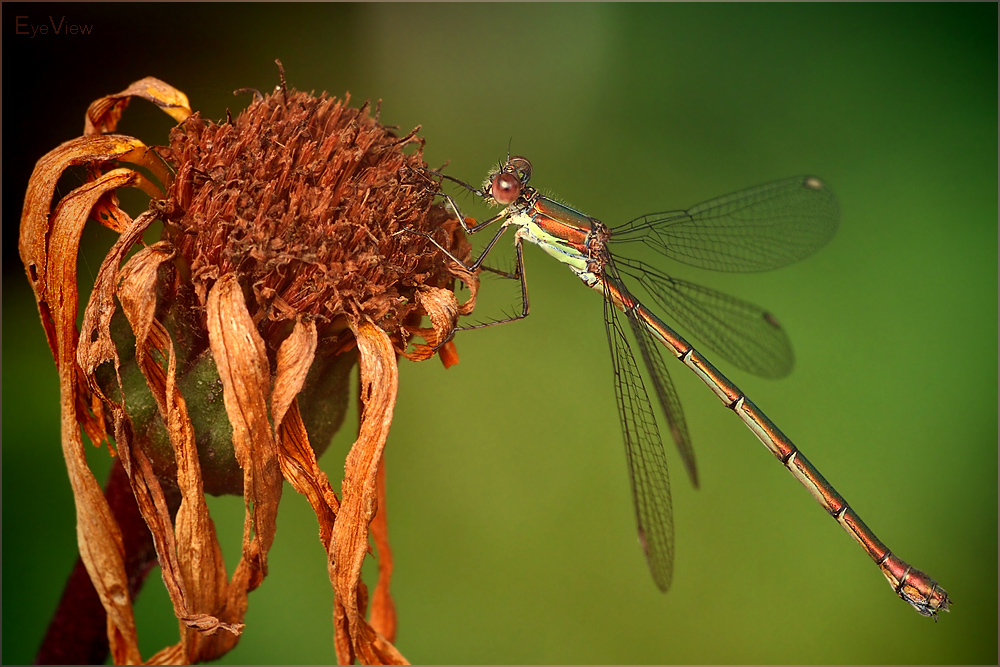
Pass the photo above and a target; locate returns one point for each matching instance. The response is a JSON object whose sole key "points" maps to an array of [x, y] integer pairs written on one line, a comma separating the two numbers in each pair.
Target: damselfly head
{"points": [[506, 184]]}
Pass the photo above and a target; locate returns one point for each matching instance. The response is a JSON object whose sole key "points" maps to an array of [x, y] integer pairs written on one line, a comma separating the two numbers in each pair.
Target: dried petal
{"points": [[448, 354], [383, 614], [103, 114], [297, 458], [39, 242], [192, 565], [96, 346], [49, 249], [295, 356], [241, 358], [442, 308], [379, 382], [108, 213], [300, 468]]}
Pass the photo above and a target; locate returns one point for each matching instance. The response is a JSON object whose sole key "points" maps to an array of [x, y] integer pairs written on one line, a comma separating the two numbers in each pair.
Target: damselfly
{"points": [[759, 229]]}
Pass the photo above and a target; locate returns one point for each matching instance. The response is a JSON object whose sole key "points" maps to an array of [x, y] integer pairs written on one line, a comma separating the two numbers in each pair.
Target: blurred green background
{"points": [[509, 507]]}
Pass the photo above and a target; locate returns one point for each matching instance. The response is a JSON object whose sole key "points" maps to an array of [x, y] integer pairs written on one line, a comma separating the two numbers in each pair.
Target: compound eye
{"points": [[506, 188]]}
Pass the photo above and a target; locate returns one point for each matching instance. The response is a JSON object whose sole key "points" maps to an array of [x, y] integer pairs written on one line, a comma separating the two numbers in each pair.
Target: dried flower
{"points": [[218, 357]]}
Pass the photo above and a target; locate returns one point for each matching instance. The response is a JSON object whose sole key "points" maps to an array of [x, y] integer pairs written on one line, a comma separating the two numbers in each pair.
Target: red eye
{"points": [[506, 189]]}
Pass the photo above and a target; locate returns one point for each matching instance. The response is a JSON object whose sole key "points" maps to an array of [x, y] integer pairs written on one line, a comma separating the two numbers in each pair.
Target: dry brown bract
{"points": [[283, 259]]}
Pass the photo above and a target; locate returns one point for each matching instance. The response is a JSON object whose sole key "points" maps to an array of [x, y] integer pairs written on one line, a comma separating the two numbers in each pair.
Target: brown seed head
{"points": [[307, 200]]}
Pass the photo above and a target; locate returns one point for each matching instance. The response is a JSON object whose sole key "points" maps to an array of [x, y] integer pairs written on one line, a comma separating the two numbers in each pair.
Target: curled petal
{"points": [[108, 213], [192, 565], [35, 222], [472, 281], [52, 238], [442, 308], [96, 346], [296, 456], [355, 638], [104, 113], [300, 468], [294, 359], [241, 358], [49, 247]]}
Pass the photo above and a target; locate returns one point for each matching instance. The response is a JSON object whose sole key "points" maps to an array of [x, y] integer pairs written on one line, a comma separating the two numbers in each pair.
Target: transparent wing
{"points": [[647, 463], [740, 332], [652, 356], [759, 229], [670, 402]]}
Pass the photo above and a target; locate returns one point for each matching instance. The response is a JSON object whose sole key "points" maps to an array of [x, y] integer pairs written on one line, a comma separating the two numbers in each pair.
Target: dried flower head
{"points": [[218, 357]]}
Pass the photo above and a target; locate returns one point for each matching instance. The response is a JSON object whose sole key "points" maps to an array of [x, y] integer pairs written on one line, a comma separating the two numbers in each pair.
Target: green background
{"points": [[509, 509]]}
